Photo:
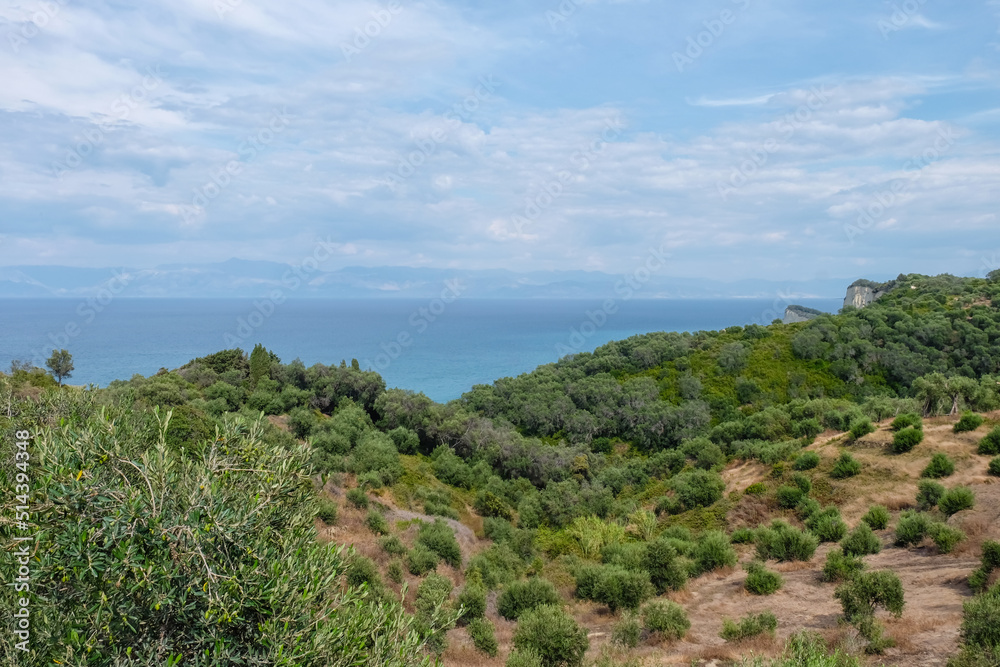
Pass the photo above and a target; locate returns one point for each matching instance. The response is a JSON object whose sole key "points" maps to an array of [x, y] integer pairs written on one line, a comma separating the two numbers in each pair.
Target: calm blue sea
{"points": [[423, 345]]}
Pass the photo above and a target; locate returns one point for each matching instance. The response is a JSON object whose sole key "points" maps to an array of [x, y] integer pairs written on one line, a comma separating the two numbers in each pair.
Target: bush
{"points": [[713, 552], [907, 420], [806, 461], [489, 504], [808, 428], [877, 517], [521, 596], [421, 560], [697, 488], [861, 427], [391, 544], [846, 466], [940, 466], [553, 635], [742, 536], [498, 565], [782, 542], [525, 658], [866, 591], [327, 511], [358, 498], [990, 444], [440, 538], [957, 499], [377, 523], [990, 562], [375, 453], [928, 495], [472, 599], [749, 626], [803, 482], [861, 542], [756, 489], [979, 622], [905, 440], [945, 537], [483, 637], [666, 619], [911, 528], [362, 571], [789, 496], [395, 571], [994, 467], [760, 580], [807, 507], [827, 525], [626, 631], [969, 422], [666, 572], [432, 596], [619, 588], [840, 566]]}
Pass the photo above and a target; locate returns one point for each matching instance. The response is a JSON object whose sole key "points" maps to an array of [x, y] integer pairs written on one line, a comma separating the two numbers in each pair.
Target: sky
{"points": [[744, 138]]}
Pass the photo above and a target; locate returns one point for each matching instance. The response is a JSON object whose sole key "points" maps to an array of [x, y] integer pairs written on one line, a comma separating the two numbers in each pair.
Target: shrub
{"points": [[846, 466], [358, 498], [840, 566], [940, 466], [483, 637], [666, 572], [806, 461], [440, 538], [807, 507], [928, 495], [391, 544], [990, 561], [421, 560], [362, 571], [432, 595], [907, 420], [742, 536], [521, 596], [877, 517], [802, 482], [905, 440], [861, 427], [697, 488], [489, 504], [395, 571], [866, 591], [619, 588], [869, 628], [789, 496], [911, 528], [523, 658], [990, 444], [666, 619], [994, 467], [713, 552], [327, 511], [808, 428], [626, 631], [827, 525], [979, 622], [782, 542], [553, 635], [760, 580], [375, 453], [377, 523], [957, 499], [861, 542], [945, 537], [497, 565], [756, 489], [749, 626], [969, 422], [472, 599]]}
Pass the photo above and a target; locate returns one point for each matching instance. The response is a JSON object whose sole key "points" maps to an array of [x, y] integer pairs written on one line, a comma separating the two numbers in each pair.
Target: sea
{"points": [[437, 347]]}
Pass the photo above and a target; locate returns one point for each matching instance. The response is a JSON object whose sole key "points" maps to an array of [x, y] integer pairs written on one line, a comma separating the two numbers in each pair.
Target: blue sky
{"points": [[752, 138]]}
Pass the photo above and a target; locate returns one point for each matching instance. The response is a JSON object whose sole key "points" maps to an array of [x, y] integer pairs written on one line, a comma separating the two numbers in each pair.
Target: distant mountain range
{"points": [[237, 278]]}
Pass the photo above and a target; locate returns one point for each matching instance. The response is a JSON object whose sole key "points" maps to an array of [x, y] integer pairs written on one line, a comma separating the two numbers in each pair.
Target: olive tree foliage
{"points": [[148, 555]]}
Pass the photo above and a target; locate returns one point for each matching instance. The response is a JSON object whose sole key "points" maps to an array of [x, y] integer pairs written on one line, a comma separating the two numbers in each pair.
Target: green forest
{"points": [[176, 519]]}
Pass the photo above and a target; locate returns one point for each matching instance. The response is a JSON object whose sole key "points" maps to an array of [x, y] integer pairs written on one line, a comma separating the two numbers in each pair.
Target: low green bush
{"points": [[990, 444], [749, 626], [358, 498], [713, 552], [807, 507], [979, 621], [666, 619], [928, 495], [432, 596], [363, 571], [939, 466], [866, 591], [524, 658], [662, 561], [789, 496], [877, 517], [805, 649], [742, 536], [395, 571], [376, 522], [994, 467], [904, 441], [626, 632], [803, 482], [990, 562], [497, 566], [440, 538], [827, 525], [421, 560], [327, 511], [861, 427], [392, 545], [760, 580], [553, 635], [483, 637], [619, 588], [957, 499], [782, 542], [525, 595], [756, 489], [911, 528], [846, 466], [945, 537], [840, 566], [472, 600], [970, 421], [861, 541], [806, 461], [907, 420]]}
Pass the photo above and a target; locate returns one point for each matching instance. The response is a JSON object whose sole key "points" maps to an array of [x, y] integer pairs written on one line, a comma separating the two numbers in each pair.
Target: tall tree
{"points": [[260, 364], [61, 364]]}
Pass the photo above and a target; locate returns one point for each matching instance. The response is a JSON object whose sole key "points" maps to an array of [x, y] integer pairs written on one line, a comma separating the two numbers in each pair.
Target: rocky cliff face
{"points": [[864, 293], [795, 314]]}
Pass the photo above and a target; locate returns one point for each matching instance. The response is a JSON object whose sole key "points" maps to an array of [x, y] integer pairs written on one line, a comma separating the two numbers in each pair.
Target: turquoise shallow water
{"points": [[439, 348]]}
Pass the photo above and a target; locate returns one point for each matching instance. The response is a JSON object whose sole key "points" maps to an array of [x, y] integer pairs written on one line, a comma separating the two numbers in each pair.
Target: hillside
{"points": [[609, 508]]}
